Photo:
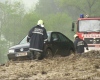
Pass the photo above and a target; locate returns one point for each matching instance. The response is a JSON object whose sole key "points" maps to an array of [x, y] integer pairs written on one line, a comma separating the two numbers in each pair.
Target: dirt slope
{"points": [[73, 67]]}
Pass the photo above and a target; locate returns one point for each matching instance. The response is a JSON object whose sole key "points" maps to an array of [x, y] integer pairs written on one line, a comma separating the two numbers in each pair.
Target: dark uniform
{"points": [[79, 45], [37, 36]]}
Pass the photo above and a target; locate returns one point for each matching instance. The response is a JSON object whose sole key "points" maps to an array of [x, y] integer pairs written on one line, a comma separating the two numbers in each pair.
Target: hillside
{"points": [[73, 67]]}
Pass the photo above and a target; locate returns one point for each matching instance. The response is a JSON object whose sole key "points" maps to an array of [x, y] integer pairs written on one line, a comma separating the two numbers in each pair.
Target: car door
{"points": [[64, 44], [55, 43]]}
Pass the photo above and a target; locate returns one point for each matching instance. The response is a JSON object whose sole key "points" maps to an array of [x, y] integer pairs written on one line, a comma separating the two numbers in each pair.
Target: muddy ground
{"points": [[73, 67]]}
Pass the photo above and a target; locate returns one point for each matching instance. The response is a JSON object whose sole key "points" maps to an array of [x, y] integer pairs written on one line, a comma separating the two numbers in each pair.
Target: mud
{"points": [[73, 67]]}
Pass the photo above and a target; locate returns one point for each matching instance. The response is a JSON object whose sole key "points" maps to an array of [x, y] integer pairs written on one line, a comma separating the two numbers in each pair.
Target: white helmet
{"points": [[75, 36], [40, 22]]}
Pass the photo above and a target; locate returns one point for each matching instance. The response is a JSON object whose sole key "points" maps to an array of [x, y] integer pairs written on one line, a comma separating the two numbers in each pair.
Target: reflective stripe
{"points": [[38, 33], [36, 49], [45, 40]]}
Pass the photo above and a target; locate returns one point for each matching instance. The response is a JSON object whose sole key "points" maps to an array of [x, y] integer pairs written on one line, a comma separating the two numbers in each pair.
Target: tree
{"points": [[81, 6], [46, 7], [3, 51], [13, 14]]}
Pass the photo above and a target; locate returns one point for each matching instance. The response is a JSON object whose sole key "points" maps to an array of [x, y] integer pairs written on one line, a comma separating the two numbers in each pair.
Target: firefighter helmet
{"points": [[40, 22], [75, 36]]}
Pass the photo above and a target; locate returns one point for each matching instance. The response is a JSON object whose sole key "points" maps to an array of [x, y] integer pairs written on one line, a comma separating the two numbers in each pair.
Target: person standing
{"points": [[79, 44], [37, 36]]}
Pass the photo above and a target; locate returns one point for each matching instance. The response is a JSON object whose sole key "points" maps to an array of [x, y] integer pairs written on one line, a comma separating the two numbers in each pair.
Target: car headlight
{"points": [[11, 51]]}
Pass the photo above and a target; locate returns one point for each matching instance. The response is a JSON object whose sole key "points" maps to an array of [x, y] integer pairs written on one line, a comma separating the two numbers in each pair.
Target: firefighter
{"points": [[37, 36], [79, 44]]}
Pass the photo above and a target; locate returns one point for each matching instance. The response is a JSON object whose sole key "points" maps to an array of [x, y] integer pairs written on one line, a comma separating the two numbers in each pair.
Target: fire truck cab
{"points": [[88, 29]]}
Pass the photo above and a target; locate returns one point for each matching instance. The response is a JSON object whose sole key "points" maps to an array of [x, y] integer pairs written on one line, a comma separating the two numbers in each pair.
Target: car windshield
{"points": [[89, 26], [24, 41]]}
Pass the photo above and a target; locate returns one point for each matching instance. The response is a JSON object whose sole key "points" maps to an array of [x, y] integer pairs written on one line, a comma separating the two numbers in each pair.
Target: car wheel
{"points": [[71, 51], [49, 53], [68, 52]]}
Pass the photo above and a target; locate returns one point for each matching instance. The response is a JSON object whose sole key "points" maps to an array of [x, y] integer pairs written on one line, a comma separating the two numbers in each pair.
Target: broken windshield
{"points": [[89, 26]]}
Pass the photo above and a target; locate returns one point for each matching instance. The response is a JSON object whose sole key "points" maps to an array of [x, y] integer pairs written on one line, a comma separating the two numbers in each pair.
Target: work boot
{"points": [[38, 54], [31, 54]]}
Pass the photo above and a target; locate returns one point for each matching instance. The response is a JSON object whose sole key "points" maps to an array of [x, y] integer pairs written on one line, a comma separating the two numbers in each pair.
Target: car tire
{"points": [[71, 51], [68, 52], [49, 53]]}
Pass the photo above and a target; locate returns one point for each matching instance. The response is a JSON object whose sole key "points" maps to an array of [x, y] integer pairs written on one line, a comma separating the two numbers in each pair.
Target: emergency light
{"points": [[81, 15]]}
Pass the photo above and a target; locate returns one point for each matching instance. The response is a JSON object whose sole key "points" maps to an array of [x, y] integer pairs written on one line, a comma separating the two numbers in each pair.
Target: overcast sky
{"points": [[28, 3]]}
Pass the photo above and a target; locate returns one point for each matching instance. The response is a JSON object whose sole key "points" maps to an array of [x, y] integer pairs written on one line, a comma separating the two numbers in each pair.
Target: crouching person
{"points": [[36, 37]]}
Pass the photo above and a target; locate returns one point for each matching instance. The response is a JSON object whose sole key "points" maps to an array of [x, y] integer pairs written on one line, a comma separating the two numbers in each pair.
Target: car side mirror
{"points": [[73, 25]]}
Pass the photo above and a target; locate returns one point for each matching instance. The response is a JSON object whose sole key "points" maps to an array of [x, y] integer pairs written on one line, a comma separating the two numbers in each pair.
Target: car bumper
{"points": [[14, 56]]}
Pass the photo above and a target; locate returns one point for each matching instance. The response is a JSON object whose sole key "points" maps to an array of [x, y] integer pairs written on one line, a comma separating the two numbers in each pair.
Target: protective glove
{"points": [[45, 41], [28, 39]]}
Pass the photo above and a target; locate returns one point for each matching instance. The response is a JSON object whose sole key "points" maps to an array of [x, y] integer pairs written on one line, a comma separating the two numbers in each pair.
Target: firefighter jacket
{"points": [[79, 45], [37, 35]]}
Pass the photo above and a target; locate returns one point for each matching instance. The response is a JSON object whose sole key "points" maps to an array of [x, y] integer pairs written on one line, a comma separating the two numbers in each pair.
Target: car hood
{"points": [[20, 46]]}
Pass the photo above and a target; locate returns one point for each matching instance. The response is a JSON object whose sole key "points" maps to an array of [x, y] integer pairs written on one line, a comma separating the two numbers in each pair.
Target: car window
{"points": [[24, 41], [54, 37], [63, 38]]}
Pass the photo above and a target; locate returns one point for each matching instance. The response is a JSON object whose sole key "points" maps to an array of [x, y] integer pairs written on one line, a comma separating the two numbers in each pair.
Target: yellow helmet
{"points": [[40, 22], [75, 36]]}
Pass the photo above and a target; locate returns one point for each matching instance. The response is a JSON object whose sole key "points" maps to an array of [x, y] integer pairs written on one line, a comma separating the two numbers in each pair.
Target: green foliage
{"points": [[11, 23], [83, 6], [3, 51], [30, 20], [57, 21], [46, 7]]}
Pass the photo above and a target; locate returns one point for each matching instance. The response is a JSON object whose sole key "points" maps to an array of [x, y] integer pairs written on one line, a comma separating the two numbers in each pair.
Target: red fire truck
{"points": [[88, 29]]}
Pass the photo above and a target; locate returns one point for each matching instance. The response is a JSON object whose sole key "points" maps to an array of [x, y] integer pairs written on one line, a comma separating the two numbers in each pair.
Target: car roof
{"points": [[52, 31]]}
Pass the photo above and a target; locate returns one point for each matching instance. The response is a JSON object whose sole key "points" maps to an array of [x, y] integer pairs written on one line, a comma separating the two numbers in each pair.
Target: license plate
{"points": [[21, 54]]}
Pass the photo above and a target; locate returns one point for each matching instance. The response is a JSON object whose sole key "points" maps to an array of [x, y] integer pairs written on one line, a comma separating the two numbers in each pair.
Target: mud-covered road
{"points": [[73, 67]]}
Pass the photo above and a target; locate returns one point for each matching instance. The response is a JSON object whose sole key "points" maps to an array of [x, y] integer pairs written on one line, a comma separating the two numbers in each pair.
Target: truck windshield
{"points": [[89, 26]]}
